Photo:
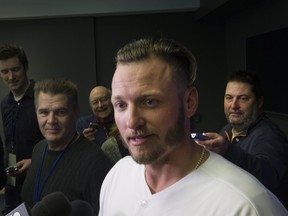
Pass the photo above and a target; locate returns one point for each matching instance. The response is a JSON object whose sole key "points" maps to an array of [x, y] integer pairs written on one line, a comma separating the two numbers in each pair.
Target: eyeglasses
{"points": [[100, 100]]}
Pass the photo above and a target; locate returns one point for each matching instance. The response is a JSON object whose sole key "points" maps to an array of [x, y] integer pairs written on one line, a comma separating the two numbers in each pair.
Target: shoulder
{"points": [[119, 170], [267, 128], [89, 153], [38, 148], [118, 175], [227, 128], [5, 100], [126, 163], [229, 175], [111, 149], [41, 144], [86, 145], [236, 183], [87, 149], [30, 90]]}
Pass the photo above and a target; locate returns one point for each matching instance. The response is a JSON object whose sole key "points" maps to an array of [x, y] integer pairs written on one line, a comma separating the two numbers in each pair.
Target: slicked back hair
{"points": [[181, 60]]}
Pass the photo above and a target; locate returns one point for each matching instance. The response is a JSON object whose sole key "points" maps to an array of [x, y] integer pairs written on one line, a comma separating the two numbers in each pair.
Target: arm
{"points": [[2, 167], [22, 166]]}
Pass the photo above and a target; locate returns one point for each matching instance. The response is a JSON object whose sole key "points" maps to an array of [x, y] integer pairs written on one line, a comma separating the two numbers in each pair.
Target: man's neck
{"points": [[239, 128], [162, 174], [20, 92], [63, 145]]}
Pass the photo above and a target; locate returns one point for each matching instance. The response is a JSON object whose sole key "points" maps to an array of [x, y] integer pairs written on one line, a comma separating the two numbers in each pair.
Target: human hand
{"points": [[215, 143], [90, 133], [22, 167]]}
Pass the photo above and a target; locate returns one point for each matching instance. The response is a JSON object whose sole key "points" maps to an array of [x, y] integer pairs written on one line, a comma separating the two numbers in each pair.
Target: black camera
{"points": [[11, 169], [93, 125]]}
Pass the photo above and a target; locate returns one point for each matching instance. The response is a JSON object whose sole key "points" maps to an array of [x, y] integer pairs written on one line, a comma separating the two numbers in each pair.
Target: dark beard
{"points": [[174, 136]]}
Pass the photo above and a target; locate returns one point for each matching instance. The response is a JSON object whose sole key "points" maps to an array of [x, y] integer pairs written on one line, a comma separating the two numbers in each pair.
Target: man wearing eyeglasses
{"points": [[96, 127]]}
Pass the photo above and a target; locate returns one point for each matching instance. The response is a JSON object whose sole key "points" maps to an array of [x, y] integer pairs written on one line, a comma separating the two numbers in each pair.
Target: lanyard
{"points": [[38, 190], [14, 123]]}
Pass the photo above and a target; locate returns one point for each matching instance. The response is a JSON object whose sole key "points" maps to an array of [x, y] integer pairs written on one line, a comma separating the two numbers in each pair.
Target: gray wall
{"points": [[60, 8], [82, 48], [56, 48], [206, 40]]}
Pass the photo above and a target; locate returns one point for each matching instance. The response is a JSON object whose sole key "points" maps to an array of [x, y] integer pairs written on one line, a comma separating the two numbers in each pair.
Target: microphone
{"points": [[81, 208], [54, 204], [57, 204]]}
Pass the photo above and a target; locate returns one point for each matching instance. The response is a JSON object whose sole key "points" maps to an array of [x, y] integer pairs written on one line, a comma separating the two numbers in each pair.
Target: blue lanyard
{"points": [[38, 190]]}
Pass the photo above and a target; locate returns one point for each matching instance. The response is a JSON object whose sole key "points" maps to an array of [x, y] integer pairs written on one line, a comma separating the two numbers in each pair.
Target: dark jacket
{"points": [[262, 150], [78, 172], [102, 130], [2, 167], [20, 124]]}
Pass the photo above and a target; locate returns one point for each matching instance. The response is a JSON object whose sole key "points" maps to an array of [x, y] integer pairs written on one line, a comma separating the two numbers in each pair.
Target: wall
{"points": [[56, 48], [263, 17], [206, 40], [13, 9], [83, 50]]}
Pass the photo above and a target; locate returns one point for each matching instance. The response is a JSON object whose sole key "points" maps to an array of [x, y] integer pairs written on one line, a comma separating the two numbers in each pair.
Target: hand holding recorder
{"points": [[91, 132], [212, 141]]}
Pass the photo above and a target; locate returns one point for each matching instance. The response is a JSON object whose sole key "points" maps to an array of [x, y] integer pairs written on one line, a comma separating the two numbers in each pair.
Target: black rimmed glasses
{"points": [[103, 99]]}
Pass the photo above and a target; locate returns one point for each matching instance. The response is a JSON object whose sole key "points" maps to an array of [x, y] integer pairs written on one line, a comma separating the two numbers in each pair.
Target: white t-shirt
{"points": [[216, 188]]}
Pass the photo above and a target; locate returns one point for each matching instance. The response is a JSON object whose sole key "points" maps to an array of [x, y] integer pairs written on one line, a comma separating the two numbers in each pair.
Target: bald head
{"points": [[99, 90], [100, 103]]}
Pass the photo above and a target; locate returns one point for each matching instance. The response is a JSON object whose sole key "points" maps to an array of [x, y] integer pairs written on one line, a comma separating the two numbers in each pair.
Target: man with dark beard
{"points": [[251, 140], [154, 98]]}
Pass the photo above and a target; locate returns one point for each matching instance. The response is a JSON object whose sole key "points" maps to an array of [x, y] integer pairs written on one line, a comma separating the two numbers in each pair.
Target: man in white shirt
{"points": [[154, 99]]}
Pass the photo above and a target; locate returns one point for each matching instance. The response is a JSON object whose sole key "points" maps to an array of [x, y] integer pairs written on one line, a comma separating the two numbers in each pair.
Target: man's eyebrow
{"points": [[117, 97], [42, 109]]}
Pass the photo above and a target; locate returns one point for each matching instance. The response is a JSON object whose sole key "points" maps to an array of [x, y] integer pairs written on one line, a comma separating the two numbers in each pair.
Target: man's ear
{"points": [[191, 101]]}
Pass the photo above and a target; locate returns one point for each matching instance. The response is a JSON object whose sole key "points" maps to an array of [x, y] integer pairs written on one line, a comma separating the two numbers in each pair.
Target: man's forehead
{"points": [[99, 92], [14, 60], [236, 84], [239, 88], [135, 87], [141, 72]]}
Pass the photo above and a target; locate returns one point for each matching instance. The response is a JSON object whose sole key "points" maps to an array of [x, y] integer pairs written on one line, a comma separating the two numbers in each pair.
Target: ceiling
{"points": [[202, 9], [23, 9]]}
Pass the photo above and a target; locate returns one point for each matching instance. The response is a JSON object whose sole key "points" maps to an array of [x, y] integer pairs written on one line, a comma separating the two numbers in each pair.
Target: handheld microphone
{"points": [[54, 204], [81, 208]]}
